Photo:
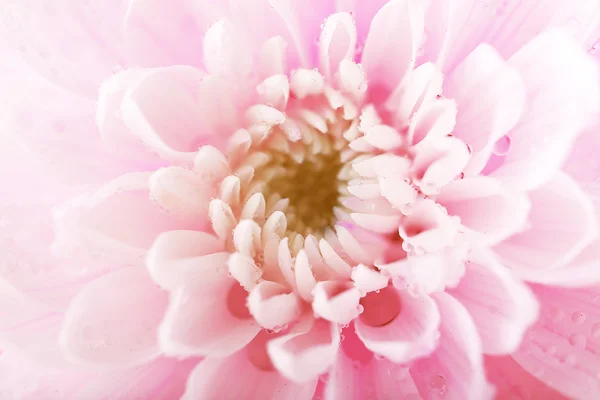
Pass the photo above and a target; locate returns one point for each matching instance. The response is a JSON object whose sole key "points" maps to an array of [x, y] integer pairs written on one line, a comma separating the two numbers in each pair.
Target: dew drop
{"points": [[577, 340], [437, 384], [360, 308], [502, 146], [399, 283], [578, 318], [379, 357]]}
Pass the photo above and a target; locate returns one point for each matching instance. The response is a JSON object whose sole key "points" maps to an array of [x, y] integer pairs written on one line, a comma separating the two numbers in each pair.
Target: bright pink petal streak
{"points": [[512, 382], [501, 306], [455, 370], [562, 97], [82, 44], [245, 373], [562, 348], [113, 320], [562, 223], [508, 24], [358, 374]]}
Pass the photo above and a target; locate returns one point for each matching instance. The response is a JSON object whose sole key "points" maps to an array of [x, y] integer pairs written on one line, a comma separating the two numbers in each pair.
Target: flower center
{"points": [[310, 183]]}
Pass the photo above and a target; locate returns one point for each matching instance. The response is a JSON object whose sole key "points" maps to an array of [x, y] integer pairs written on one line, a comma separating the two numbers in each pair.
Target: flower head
{"points": [[355, 200]]}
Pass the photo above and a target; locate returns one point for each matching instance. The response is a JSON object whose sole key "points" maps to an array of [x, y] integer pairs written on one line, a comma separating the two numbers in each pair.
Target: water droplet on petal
{"points": [[502, 146], [578, 317], [437, 384], [577, 340]]}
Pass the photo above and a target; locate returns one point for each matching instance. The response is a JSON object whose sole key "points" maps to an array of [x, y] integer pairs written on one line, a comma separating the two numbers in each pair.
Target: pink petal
{"points": [[582, 164], [559, 105], [562, 223], [180, 192], [225, 51], [358, 375], [368, 279], [83, 44], [212, 378], [513, 382], [273, 306], [178, 257], [306, 351], [304, 278], [503, 316], [165, 111], [491, 97], [484, 206], [337, 42], [562, 348], [117, 223], [394, 36], [397, 325], [113, 320], [202, 321], [336, 302], [455, 370], [433, 121], [507, 26], [159, 34]]}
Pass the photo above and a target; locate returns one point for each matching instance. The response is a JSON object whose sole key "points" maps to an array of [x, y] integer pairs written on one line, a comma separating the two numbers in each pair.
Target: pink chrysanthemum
{"points": [[298, 199]]}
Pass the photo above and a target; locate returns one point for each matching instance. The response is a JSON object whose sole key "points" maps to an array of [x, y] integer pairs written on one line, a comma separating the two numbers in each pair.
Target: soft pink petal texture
{"points": [[162, 379], [180, 257], [306, 351], [225, 52], [501, 306], [512, 382], [245, 373], [583, 165], [491, 98], [398, 325], [113, 320], [394, 36], [116, 135], [159, 34], [83, 43], [202, 321], [455, 370], [358, 375], [303, 19], [117, 223], [167, 113], [55, 129], [484, 206], [561, 97], [562, 223], [562, 348], [506, 25]]}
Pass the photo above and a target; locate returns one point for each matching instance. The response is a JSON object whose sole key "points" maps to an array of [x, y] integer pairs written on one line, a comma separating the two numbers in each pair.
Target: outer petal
{"points": [[306, 351], [207, 322], [455, 370], [166, 112], [501, 318], [254, 373], [507, 25], [358, 375], [397, 325], [178, 257], [82, 44], [563, 223], [485, 207], [394, 36], [491, 98], [514, 382], [337, 42], [117, 223], [561, 98], [562, 348], [159, 34], [113, 320]]}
